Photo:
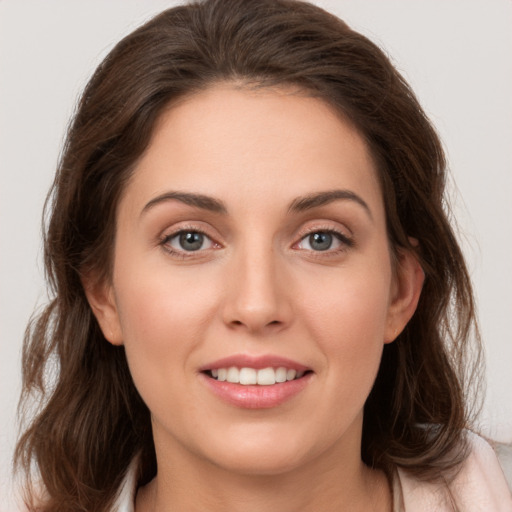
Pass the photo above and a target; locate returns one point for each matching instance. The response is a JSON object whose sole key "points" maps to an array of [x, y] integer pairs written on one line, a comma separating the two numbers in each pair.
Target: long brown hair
{"points": [[89, 420]]}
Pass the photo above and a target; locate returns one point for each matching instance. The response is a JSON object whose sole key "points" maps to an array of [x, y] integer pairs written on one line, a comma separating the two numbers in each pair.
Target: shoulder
{"points": [[479, 486]]}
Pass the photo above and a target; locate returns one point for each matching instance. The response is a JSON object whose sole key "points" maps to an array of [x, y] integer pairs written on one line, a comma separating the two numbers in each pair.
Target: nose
{"points": [[257, 297]]}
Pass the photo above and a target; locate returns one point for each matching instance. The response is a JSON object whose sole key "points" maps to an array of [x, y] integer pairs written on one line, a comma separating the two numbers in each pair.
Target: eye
{"points": [[188, 241], [324, 241]]}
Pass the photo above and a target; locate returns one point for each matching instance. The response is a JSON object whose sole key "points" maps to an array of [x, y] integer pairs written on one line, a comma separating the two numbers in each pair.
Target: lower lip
{"points": [[256, 397]]}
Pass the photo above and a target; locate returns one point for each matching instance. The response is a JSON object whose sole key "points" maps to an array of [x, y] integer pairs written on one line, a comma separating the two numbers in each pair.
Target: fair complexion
{"points": [[254, 229]]}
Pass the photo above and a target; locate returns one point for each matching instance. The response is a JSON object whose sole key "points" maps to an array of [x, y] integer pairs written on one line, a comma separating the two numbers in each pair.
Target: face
{"points": [[253, 288]]}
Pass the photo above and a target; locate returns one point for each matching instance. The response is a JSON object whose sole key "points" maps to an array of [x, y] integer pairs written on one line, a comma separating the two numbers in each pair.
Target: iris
{"points": [[320, 241]]}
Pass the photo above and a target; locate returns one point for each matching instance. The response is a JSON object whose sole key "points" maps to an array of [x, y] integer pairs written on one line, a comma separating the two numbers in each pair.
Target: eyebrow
{"points": [[299, 204], [198, 200], [318, 199]]}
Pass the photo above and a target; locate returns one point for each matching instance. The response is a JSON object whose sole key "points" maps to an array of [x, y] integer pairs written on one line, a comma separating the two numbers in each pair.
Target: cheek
{"points": [[163, 317], [349, 319], [359, 301]]}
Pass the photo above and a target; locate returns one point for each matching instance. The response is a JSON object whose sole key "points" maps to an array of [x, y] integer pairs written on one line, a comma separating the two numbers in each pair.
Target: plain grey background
{"points": [[457, 55]]}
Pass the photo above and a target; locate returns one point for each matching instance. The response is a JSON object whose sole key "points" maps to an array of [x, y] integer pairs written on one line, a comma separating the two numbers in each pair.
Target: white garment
{"points": [[480, 486]]}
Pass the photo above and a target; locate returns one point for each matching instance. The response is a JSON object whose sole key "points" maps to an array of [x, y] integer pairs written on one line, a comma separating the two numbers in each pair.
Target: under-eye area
{"points": [[252, 376]]}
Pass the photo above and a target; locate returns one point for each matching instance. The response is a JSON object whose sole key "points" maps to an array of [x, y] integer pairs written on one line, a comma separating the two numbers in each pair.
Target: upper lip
{"points": [[256, 362]]}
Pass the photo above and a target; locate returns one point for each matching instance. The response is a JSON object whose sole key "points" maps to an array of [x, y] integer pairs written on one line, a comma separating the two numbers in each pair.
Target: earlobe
{"points": [[102, 301], [409, 278]]}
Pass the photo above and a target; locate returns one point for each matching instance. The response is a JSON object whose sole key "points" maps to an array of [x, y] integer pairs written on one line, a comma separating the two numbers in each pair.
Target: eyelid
{"points": [[323, 226]]}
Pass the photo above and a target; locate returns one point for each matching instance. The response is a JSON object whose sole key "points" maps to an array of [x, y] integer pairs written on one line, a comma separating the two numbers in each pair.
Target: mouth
{"points": [[256, 382], [247, 376]]}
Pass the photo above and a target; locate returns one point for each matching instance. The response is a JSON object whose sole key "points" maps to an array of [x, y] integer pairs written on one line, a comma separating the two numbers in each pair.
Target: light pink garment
{"points": [[480, 486]]}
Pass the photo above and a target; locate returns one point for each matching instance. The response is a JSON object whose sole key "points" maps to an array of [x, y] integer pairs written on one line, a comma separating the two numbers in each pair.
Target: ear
{"points": [[101, 298], [406, 291]]}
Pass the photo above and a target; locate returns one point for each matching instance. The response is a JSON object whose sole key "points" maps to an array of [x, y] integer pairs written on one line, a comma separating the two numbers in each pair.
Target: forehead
{"points": [[245, 145]]}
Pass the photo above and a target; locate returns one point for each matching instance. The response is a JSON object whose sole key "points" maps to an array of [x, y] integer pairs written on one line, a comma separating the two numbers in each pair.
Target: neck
{"points": [[331, 482]]}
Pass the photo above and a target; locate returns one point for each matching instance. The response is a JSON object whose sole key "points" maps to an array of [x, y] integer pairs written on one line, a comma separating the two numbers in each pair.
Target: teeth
{"points": [[281, 375], [248, 376], [233, 375], [266, 377], [251, 376]]}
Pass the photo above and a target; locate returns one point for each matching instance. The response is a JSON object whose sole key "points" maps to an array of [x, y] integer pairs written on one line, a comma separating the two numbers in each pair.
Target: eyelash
{"points": [[164, 242], [346, 242]]}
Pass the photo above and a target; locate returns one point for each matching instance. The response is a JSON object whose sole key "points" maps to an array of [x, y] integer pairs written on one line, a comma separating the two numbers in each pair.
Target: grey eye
{"points": [[320, 241], [189, 241]]}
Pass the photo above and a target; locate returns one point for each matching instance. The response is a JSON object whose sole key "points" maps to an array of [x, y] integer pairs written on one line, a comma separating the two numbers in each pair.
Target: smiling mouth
{"points": [[252, 376]]}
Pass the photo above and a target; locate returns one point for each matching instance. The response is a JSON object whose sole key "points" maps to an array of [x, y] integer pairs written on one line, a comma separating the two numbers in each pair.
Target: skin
{"points": [[257, 286]]}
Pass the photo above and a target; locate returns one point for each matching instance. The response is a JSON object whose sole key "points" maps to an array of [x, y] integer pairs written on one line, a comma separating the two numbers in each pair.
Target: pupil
{"points": [[320, 241], [191, 241]]}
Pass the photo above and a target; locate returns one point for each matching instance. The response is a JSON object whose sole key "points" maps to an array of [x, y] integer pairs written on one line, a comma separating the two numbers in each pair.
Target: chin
{"points": [[260, 462], [263, 453]]}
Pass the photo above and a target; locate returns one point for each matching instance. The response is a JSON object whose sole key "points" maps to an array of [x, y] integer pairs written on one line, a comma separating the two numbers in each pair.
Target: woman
{"points": [[254, 282]]}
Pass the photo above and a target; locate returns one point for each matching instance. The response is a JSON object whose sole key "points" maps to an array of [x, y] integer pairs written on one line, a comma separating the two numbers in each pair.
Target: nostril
{"points": [[240, 323]]}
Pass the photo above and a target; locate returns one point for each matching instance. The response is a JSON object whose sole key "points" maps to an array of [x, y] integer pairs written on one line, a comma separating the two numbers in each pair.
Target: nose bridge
{"points": [[256, 299]]}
